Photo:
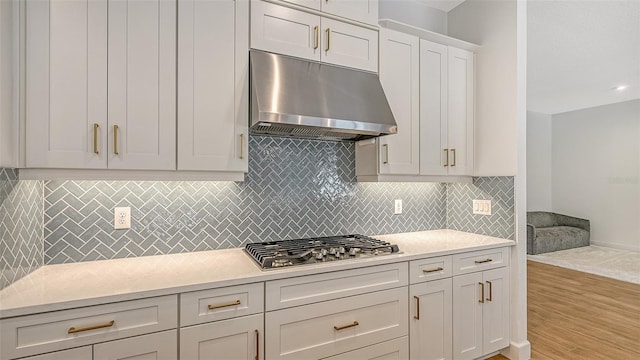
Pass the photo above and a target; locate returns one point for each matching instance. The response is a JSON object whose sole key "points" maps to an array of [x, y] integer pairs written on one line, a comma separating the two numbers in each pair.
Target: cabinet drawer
{"points": [[35, 334], [396, 349], [314, 288], [480, 260], [218, 304], [336, 326], [430, 269]]}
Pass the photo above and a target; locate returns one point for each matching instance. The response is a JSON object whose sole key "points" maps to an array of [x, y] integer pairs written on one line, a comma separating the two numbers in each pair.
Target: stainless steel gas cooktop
{"points": [[276, 254]]}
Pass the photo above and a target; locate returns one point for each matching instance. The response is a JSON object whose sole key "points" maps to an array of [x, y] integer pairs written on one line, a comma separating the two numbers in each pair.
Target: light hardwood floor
{"points": [[575, 315]]}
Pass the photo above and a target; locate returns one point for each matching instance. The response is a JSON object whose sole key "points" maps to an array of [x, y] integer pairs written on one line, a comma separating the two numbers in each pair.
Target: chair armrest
{"points": [[566, 220]]}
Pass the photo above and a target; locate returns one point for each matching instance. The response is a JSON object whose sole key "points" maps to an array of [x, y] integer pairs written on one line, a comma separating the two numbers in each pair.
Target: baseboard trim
{"points": [[518, 350], [615, 246]]}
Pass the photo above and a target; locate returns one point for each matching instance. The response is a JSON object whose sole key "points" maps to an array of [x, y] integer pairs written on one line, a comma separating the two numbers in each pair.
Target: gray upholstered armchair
{"points": [[547, 231]]}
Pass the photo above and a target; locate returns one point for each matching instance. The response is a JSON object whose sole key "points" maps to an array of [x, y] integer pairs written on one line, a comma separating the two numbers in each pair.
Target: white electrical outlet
{"points": [[122, 218], [482, 207], [397, 210]]}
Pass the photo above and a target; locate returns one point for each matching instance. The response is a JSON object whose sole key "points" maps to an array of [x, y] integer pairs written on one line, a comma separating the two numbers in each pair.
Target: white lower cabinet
{"points": [[431, 324], [233, 339], [83, 353], [158, 346], [480, 313], [396, 349]]}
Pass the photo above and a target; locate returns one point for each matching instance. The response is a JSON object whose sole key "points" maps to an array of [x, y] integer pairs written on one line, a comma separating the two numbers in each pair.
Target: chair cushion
{"points": [[559, 238], [541, 219]]}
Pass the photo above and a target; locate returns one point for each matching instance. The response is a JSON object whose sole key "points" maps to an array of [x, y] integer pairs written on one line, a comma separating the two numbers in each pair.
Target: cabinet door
{"points": [[433, 109], [396, 349], [158, 346], [495, 312], [365, 11], [142, 84], [66, 89], [311, 4], [349, 45], [431, 324], [467, 316], [399, 75], [285, 31], [83, 353], [461, 111], [213, 105], [233, 339]]}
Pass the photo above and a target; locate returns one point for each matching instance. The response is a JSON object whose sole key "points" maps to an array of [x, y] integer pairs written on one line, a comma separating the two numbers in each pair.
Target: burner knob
{"points": [[319, 256], [324, 252], [354, 251], [333, 251], [342, 250]]}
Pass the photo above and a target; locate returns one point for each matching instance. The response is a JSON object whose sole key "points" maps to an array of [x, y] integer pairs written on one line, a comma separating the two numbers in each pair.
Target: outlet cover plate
{"points": [[482, 207], [397, 210], [122, 218]]}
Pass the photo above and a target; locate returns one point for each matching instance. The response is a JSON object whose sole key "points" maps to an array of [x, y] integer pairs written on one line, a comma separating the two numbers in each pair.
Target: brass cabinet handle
{"points": [[417, 315], [328, 39], [241, 146], [317, 40], [432, 270], [446, 156], [483, 261], [481, 297], [355, 323], [454, 157], [257, 345], [95, 138], [73, 330], [212, 307], [115, 139], [490, 291], [386, 152]]}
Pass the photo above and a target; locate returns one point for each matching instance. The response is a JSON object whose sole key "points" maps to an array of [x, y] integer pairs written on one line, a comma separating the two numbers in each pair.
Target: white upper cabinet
{"points": [[446, 110], [285, 31], [101, 93], [142, 84], [399, 68], [365, 11], [66, 84], [213, 65], [349, 45]]}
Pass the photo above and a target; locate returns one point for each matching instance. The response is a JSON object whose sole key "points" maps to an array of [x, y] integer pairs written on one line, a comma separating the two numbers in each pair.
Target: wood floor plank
{"points": [[576, 315]]}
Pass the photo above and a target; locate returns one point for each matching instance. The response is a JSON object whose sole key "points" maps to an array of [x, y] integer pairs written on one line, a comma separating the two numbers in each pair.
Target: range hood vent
{"points": [[303, 99]]}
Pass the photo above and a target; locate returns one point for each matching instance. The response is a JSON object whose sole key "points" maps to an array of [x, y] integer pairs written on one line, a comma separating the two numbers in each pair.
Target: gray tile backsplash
{"points": [[294, 188], [21, 236]]}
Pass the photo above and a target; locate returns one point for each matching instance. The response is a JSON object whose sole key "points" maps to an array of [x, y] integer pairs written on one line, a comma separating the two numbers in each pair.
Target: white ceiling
{"points": [[578, 51], [444, 5]]}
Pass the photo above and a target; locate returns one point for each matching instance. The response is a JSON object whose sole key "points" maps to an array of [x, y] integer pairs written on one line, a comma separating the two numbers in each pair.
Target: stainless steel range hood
{"points": [[302, 99]]}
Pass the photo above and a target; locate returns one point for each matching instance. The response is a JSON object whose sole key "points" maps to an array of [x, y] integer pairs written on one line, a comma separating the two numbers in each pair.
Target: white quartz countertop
{"points": [[65, 286]]}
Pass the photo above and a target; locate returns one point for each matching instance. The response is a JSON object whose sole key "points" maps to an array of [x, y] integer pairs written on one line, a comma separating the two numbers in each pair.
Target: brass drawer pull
{"points": [[454, 157], [257, 345], [328, 40], [212, 307], [317, 40], [483, 261], [73, 330], [116, 129], [481, 297], [386, 153], [417, 315], [446, 156], [337, 328], [95, 138], [432, 270], [241, 146], [490, 298]]}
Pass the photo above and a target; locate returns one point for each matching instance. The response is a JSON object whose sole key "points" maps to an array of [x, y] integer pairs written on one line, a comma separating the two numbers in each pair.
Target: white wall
{"points": [[492, 24], [414, 13], [7, 135], [538, 162], [596, 171]]}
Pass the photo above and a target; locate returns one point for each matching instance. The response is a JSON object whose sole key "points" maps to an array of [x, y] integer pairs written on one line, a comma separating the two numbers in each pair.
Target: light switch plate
{"points": [[397, 210], [482, 207], [122, 218]]}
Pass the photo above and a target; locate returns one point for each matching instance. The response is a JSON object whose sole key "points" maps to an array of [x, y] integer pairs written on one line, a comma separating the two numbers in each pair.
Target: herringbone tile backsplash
{"points": [[21, 239], [294, 188]]}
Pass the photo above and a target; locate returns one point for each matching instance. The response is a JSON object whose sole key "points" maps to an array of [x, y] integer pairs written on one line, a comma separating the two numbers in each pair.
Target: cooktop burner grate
{"points": [[275, 254]]}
